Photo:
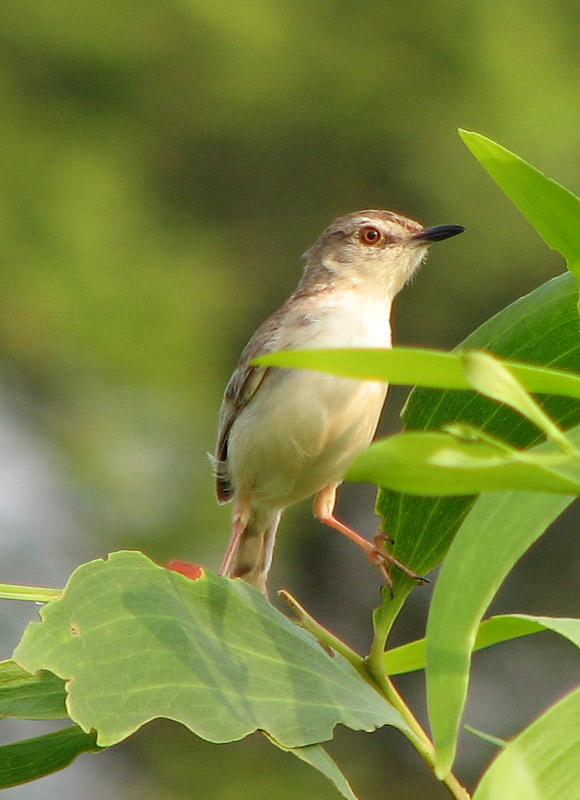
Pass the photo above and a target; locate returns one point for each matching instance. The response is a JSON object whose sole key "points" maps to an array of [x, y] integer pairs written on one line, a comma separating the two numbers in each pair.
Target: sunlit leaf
{"points": [[552, 209], [543, 762], [411, 656], [490, 377], [540, 327], [437, 464], [497, 531], [136, 642], [409, 366]]}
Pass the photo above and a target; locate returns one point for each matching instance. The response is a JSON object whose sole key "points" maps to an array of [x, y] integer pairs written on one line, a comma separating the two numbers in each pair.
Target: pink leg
{"points": [[238, 529], [324, 511]]}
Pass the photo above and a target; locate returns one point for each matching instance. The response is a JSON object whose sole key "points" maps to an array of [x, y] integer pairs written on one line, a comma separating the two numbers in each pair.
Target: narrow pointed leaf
{"points": [[486, 737], [497, 531], [458, 610], [437, 464], [502, 628], [492, 378], [408, 366], [316, 756], [33, 758], [26, 696], [552, 209], [540, 327], [34, 594]]}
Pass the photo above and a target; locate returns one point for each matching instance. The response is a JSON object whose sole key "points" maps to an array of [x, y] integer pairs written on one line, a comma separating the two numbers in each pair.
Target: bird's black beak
{"points": [[437, 233]]}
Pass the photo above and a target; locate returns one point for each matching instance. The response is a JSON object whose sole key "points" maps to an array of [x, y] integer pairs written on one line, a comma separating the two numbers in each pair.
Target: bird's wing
{"points": [[246, 381], [243, 385]]}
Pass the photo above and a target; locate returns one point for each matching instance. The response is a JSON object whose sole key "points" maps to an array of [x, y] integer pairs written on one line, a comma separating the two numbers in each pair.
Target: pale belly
{"points": [[299, 434]]}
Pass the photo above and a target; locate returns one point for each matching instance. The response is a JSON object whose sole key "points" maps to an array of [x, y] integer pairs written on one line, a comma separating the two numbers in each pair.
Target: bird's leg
{"points": [[239, 526], [376, 553]]}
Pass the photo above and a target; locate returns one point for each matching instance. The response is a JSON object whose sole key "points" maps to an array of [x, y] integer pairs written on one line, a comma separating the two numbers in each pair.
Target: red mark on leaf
{"points": [[191, 571]]}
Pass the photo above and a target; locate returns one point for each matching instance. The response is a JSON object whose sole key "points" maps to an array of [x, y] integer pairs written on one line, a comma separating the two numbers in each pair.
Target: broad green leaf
{"points": [[553, 210], [316, 756], [543, 762], [438, 464], [40, 696], [540, 327], [498, 530], [219, 659], [502, 628], [417, 367], [33, 758]]}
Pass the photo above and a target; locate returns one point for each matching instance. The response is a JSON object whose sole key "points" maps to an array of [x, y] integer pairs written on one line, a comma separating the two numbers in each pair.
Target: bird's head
{"points": [[374, 246]]}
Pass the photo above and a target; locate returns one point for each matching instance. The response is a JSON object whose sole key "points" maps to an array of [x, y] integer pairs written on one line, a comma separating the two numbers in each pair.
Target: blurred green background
{"points": [[163, 166]]}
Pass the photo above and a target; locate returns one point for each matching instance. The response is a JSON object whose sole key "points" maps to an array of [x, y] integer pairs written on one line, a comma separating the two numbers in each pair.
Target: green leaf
{"points": [[568, 627], [543, 762], [316, 756], [495, 534], [219, 659], [502, 628], [486, 737], [553, 210], [33, 758], [416, 367], [40, 696], [438, 464], [457, 610], [540, 327], [493, 379]]}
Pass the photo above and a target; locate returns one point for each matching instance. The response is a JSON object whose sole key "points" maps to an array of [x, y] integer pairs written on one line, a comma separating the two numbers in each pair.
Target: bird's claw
{"points": [[381, 558]]}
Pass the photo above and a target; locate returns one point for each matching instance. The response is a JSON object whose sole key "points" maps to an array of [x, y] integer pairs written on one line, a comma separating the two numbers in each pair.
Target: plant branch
{"points": [[325, 637], [418, 737], [32, 593], [372, 670]]}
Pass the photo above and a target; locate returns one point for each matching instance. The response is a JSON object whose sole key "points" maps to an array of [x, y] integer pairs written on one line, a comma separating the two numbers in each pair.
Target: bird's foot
{"points": [[381, 558]]}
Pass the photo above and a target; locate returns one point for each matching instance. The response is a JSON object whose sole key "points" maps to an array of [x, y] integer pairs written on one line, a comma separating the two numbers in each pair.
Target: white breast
{"points": [[353, 320], [302, 428]]}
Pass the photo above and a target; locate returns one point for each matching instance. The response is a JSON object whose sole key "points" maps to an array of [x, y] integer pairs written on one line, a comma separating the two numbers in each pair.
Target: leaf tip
{"points": [[466, 135]]}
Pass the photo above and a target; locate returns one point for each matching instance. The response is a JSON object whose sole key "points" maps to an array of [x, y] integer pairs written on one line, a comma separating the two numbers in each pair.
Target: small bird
{"points": [[285, 435]]}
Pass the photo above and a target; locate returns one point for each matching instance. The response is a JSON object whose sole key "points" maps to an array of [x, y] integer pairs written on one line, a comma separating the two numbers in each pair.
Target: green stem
{"points": [[416, 735], [325, 637], [372, 670], [33, 593], [384, 620]]}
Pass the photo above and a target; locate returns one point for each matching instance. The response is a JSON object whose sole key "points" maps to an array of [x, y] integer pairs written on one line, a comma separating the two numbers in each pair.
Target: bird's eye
{"points": [[370, 235]]}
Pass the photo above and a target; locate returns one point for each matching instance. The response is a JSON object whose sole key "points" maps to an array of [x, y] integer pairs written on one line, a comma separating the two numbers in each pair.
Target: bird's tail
{"points": [[249, 553]]}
